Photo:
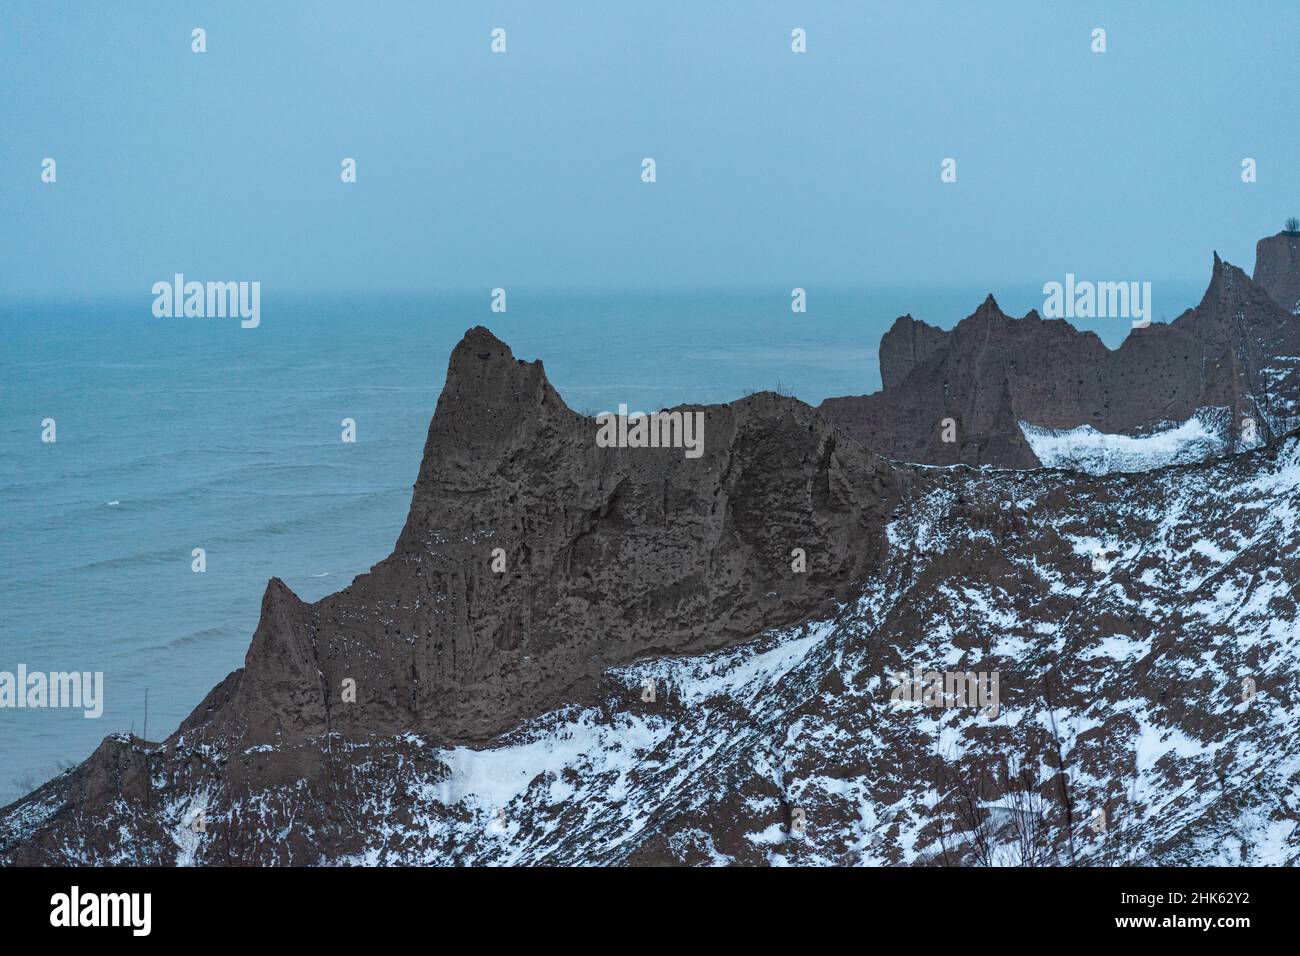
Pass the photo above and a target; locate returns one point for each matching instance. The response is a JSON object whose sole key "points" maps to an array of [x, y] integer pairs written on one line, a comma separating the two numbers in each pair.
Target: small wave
{"points": [[132, 560], [201, 636]]}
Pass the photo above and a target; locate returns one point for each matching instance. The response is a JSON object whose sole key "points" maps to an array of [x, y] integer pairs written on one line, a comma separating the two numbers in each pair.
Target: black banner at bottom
{"points": [[333, 906]]}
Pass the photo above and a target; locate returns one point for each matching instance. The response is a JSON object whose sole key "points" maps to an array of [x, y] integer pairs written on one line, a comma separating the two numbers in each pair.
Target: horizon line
{"points": [[603, 291]]}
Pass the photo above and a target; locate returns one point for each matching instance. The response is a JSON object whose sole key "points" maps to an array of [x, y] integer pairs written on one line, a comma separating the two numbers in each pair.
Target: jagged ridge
{"points": [[1236, 351]]}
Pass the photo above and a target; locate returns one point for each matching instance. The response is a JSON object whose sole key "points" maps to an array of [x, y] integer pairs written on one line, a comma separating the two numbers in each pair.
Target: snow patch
{"points": [[1098, 453]]}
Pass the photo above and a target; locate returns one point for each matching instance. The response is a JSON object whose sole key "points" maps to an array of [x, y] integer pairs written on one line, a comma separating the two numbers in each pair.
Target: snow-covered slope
{"points": [[1144, 634], [1204, 435], [1146, 638]]}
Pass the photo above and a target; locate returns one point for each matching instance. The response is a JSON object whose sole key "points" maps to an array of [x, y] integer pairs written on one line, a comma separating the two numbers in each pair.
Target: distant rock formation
{"points": [[905, 346], [1277, 269], [960, 397]]}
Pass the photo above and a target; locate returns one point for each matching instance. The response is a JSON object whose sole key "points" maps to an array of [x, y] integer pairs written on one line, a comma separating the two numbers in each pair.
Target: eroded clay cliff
{"points": [[959, 397]]}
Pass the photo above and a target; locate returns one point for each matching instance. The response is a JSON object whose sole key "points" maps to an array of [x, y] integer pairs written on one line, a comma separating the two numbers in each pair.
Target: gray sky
{"points": [[477, 170]]}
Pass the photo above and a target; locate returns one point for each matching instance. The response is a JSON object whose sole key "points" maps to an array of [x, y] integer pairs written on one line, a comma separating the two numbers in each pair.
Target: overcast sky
{"points": [[477, 169]]}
